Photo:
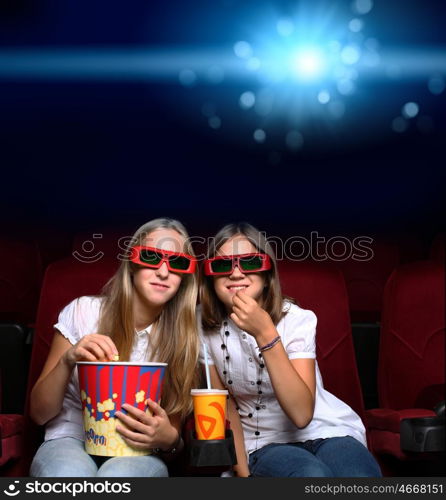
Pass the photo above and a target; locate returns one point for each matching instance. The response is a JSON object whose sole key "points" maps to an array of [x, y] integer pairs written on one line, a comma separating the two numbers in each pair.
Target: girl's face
{"points": [[251, 283], [155, 287]]}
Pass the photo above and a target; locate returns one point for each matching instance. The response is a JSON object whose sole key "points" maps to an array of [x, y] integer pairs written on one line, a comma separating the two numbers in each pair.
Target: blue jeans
{"points": [[66, 457], [332, 457]]}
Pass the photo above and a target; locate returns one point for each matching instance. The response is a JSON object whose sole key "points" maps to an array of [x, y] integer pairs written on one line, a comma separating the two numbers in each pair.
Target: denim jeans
{"points": [[331, 457], [66, 457]]}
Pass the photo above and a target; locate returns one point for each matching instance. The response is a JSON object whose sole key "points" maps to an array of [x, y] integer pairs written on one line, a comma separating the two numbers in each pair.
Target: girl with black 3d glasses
{"points": [[263, 352], [147, 313]]}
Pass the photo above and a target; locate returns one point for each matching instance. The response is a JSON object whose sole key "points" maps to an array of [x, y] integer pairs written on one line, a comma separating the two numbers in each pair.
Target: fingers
{"points": [[155, 408], [236, 320], [96, 347]]}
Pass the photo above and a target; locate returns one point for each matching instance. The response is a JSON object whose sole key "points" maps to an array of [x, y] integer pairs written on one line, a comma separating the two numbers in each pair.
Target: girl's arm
{"points": [[293, 381], [48, 392], [241, 469]]}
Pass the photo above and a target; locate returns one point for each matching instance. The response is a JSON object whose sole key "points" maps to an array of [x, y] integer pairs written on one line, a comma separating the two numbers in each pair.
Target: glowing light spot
{"points": [[243, 50], [356, 25], [253, 63], [436, 84], [346, 86], [323, 97], [294, 140], [247, 100], [309, 64], [350, 54], [285, 27], [259, 135], [187, 77], [399, 125], [362, 6], [214, 122], [410, 110]]}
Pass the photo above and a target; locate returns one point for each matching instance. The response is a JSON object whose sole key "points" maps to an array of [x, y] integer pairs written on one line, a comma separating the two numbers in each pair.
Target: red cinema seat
{"points": [[437, 251], [321, 288], [64, 280], [11, 436], [411, 370], [365, 279], [20, 277]]}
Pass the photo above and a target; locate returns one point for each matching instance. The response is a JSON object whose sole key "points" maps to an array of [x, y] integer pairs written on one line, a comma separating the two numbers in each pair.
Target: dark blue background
{"points": [[76, 154]]}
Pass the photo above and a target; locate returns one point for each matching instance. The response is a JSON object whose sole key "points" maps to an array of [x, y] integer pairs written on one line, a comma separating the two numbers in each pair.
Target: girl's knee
{"points": [[147, 466]]}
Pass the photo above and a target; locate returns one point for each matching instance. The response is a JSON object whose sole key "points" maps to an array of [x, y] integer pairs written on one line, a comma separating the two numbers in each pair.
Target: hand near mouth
{"points": [[250, 317]]}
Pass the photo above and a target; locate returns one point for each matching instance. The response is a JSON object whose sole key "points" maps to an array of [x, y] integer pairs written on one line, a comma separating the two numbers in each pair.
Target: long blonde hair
{"points": [[174, 332], [212, 309]]}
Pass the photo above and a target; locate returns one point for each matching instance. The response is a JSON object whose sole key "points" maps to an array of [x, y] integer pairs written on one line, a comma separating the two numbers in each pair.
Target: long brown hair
{"points": [[174, 332], [212, 309]]}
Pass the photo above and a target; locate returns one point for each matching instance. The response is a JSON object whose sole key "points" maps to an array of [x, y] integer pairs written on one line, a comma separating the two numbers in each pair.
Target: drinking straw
{"points": [[206, 363]]}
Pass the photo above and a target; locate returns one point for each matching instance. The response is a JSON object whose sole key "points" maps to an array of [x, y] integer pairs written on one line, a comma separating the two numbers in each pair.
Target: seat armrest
{"points": [[386, 419]]}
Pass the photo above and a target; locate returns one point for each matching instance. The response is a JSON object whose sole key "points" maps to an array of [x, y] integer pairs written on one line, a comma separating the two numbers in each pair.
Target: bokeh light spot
{"points": [[285, 27], [436, 84], [362, 6], [400, 125], [259, 135], [350, 54], [243, 50], [323, 97], [214, 122], [356, 25], [294, 140], [247, 100], [187, 77], [410, 110]]}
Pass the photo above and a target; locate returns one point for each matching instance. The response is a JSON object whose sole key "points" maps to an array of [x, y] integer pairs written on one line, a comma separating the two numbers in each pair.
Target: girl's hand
{"points": [[250, 317], [93, 347], [145, 431]]}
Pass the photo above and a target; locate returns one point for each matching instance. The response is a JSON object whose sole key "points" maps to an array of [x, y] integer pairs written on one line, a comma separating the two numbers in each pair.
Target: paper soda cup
{"points": [[210, 413], [104, 388]]}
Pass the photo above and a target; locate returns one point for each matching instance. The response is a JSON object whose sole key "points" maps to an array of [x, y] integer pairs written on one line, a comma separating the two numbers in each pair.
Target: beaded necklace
{"points": [[224, 335]]}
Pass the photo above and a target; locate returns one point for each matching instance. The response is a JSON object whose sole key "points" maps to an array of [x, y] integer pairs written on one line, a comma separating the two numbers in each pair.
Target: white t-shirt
{"points": [[297, 330], [79, 318]]}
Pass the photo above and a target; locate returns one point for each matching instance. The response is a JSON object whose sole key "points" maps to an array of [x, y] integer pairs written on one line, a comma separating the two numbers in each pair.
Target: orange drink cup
{"points": [[210, 413], [104, 388]]}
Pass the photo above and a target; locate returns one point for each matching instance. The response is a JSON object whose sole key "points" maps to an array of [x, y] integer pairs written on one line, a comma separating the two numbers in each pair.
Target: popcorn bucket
{"points": [[104, 388]]}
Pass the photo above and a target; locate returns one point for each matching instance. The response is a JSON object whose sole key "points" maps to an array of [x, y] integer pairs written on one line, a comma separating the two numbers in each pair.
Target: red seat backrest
{"points": [[321, 288], [365, 279], [20, 276], [437, 249], [64, 281], [411, 370]]}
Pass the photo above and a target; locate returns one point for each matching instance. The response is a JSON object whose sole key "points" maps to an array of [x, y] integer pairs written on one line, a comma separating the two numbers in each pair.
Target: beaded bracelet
{"points": [[271, 344]]}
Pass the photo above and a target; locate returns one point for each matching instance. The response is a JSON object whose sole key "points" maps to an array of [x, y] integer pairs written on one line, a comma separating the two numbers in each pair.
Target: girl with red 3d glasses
{"points": [[263, 352], [146, 313]]}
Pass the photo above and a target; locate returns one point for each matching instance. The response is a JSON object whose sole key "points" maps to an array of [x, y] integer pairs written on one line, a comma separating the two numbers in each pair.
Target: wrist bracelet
{"points": [[271, 344], [173, 450]]}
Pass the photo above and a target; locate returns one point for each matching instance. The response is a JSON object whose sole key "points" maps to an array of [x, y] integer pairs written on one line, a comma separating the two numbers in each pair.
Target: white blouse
{"points": [[297, 330], [79, 318]]}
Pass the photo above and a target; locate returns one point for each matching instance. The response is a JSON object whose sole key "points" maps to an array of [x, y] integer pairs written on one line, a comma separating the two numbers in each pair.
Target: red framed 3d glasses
{"points": [[247, 263], [177, 262]]}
